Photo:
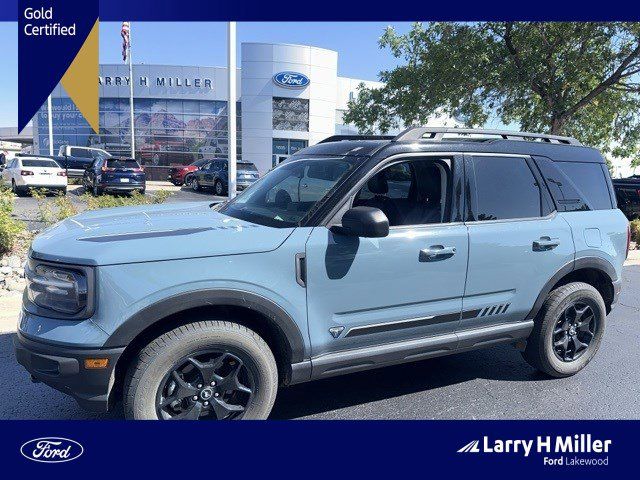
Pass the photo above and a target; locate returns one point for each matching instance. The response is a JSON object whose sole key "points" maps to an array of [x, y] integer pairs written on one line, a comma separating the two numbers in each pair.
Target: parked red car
{"points": [[178, 172]]}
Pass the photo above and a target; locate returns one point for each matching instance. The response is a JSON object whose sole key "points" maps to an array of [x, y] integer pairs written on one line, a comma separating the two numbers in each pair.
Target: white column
{"points": [[50, 120], [133, 136], [231, 105]]}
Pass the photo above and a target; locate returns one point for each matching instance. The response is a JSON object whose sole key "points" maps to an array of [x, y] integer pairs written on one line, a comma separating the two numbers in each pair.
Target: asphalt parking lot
{"points": [[26, 208], [487, 384]]}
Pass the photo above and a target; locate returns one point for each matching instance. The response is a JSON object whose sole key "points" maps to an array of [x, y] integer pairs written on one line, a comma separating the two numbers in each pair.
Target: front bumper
{"points": [[64, 369]]}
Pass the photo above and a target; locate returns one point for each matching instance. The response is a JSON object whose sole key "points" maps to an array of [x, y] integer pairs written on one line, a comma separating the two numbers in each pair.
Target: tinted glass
{"points": [[81, 152], [122, 163], [505, 188], [564, 192], [284, 196], [247, 167], [28, 162], [415, 192], [590, 183]]}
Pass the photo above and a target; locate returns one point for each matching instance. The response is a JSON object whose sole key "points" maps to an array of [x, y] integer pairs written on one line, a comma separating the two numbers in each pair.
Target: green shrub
{"points": [[635, 232], [65, 207], [10, 228], [46, 212], [136, 198]]}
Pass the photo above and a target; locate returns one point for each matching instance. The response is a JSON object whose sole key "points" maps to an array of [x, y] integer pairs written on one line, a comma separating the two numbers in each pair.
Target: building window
{"points": [[283, 147], [168, 131], [291, 114]]}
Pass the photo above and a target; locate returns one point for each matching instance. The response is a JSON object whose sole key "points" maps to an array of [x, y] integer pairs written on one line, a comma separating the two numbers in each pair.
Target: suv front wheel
{"points": [[567, 331], [208, 370]]}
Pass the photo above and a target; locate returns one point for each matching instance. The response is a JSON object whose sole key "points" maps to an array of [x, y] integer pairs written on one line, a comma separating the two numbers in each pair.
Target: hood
{"points": [[152, 233]]}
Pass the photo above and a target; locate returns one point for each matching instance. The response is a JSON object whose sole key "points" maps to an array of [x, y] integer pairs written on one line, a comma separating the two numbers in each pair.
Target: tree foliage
{"points": [[577, 79]]}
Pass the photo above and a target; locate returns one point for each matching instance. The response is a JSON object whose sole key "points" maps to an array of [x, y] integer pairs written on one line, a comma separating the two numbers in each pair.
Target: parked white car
{"points": [[23, 173]]}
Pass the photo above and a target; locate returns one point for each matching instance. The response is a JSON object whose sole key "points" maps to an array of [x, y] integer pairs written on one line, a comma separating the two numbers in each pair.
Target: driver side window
{"points": [[414, 192]]}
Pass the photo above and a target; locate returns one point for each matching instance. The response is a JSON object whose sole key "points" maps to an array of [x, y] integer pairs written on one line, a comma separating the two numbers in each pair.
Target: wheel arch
{"points": [[254, 311], [592, 270]]}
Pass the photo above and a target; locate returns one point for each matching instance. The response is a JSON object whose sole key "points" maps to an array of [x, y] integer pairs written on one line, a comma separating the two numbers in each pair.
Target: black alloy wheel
{"points": [[209, 385], [573, 331]]}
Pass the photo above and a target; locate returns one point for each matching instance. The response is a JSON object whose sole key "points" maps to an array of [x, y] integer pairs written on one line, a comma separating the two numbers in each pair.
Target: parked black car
{"points": [[628, 195], [214, 174], [116, 175]]}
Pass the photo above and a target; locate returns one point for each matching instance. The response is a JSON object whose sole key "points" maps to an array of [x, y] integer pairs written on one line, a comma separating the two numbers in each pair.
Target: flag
{"points": [[124, 33]]}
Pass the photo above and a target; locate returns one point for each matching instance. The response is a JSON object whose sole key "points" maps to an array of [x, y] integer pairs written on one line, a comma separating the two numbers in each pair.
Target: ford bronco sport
{"points": [[351, 255]]}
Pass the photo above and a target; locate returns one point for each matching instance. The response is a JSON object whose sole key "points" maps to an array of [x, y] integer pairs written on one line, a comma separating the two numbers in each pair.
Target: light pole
{"points": [[231, 106], [50, 124]]}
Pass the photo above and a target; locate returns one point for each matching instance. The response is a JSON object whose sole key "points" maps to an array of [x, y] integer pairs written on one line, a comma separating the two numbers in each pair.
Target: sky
{"points": [[204, 43]]}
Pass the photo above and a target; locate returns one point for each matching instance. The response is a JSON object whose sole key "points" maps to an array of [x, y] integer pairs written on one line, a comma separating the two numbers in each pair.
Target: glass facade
{"points": [[167, 131]]}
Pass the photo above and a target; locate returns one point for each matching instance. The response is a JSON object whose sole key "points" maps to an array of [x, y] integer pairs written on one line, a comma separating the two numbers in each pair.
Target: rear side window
{"points": [[505, 188], [576, 186], [590, 182], [81, 153]]}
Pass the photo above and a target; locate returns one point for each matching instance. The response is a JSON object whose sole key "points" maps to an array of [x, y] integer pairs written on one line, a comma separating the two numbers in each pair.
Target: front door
{"points": [[365, 292], [516, 242]]}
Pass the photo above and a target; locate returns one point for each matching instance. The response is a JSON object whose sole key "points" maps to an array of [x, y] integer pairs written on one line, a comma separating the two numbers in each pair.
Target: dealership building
{"points": [[289, 96]]}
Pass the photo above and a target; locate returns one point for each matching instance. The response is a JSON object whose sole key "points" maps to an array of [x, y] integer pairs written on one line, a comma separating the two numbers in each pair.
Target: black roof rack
{"points": [[338, 138], [438, 133]]}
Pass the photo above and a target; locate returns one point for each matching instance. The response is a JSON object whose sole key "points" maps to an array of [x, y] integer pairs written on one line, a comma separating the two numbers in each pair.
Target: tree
{"points": [[577, 79]]}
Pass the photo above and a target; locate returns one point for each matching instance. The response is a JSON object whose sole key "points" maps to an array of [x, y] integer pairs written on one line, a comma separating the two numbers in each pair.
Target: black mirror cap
{"points": [[368, 222]]}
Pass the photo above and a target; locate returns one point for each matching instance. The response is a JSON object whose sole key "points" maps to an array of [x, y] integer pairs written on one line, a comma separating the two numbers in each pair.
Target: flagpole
{"points": [[50, 120], [133, 137], [231, 107]]}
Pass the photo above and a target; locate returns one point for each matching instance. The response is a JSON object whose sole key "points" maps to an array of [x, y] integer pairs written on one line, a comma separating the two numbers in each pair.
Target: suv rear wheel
{"points": [[567, 331], [209, 370]]}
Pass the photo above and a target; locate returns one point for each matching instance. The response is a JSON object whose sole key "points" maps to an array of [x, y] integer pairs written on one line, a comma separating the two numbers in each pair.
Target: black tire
{"points": [[195, 185], [63, 191], [541, 353], [17, 190], [219, 188], [154, 364]]}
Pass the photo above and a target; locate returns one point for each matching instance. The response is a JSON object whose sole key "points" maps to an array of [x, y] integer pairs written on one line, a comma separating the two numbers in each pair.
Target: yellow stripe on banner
{"points": [[80, 79]]}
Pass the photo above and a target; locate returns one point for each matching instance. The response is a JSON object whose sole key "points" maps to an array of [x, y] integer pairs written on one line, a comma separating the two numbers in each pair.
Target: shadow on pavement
{"points": [[502, 363]]}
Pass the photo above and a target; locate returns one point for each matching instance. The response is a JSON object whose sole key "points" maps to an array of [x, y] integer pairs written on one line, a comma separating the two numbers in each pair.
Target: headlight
{"points": [[54, 288]]}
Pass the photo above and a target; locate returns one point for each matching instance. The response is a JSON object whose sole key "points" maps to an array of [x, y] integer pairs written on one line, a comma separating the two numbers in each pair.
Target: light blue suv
{"points": [[353, 254]]}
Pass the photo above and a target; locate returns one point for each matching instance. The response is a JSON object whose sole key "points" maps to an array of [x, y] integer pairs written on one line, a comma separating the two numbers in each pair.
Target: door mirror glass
{"points": [[368, 222]]}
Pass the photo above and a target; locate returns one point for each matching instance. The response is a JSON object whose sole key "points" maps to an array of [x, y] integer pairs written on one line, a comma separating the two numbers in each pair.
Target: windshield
{"points": [[285, 195]]}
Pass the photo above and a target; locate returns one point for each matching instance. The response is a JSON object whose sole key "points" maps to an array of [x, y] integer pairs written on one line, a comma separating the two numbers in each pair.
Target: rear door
{"points": [[517, 242]]}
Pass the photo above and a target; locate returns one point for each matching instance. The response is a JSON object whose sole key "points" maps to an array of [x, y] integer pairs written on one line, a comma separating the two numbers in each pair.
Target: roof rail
{"points": [[438, 133], [338, 138]]}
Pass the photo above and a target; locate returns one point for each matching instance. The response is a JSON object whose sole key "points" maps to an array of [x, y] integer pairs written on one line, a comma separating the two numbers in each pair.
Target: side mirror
{"points": [[368, 222]]}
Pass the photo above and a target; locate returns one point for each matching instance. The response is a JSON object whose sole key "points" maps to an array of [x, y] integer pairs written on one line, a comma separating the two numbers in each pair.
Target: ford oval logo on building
{"points": [[291, 79], [51, 450]]}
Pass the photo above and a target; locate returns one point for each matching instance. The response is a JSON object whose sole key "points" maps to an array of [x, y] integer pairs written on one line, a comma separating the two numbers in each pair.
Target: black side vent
{"points": [[494, 310]]}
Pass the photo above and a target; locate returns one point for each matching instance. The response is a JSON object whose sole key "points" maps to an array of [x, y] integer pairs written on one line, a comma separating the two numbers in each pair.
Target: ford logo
{"points": [[51, 450], [291, 80]]}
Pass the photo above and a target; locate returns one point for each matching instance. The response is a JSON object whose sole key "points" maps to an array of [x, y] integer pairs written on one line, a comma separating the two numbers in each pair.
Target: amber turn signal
{"points": [[96, 362]]}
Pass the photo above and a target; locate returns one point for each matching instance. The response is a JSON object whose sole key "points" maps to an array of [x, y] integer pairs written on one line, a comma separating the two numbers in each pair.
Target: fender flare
{"points": [[595, 263], [276, 315]]}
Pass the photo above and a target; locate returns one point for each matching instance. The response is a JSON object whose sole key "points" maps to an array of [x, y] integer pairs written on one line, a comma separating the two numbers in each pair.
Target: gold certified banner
{"points": [[79, 80]]}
